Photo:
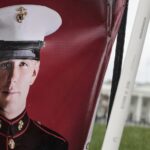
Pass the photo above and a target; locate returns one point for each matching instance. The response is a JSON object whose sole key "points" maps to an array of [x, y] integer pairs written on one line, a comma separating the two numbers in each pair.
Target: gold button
{"points": [[20, 125], [11, 144]]}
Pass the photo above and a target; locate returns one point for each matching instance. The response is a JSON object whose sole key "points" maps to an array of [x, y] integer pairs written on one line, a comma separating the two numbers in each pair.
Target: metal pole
{"points": [[122, 99], [88, 140]]}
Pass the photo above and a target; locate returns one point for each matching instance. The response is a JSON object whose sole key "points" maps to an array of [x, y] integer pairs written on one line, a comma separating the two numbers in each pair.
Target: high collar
{"points": [[14, 127]]}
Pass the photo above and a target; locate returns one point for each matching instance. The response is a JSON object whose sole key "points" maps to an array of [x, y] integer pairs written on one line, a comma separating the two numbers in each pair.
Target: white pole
{"points": [[88, 140], [122, 99]]}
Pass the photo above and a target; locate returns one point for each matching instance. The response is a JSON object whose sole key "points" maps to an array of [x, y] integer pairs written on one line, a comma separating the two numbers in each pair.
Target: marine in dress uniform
{"points": [[22, 32], [22, 133]]}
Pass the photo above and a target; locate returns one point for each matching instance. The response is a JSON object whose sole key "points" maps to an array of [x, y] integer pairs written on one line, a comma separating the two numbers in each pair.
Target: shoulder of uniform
{"points": [[50, 132]]}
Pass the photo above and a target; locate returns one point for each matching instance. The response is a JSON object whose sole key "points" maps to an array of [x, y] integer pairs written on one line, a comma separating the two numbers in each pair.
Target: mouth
{"points": [[10, 92]]}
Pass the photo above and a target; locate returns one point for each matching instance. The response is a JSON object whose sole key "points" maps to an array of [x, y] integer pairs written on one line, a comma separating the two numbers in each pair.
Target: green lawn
{"points": [[134, 138]]}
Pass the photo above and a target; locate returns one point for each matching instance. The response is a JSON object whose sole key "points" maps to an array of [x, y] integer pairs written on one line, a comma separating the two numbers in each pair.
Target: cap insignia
{"points": [[21, 13]]}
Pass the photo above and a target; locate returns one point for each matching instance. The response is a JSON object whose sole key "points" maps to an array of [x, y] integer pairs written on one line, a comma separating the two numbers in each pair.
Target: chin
{"points": [[12, 104], [11, 100]]}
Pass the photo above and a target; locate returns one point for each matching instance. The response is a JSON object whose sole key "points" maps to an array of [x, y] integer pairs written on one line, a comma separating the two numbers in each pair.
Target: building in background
{"points": [[139, 110]]}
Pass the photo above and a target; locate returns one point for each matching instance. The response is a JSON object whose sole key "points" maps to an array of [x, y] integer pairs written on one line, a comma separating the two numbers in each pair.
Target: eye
{"points": [[23, 64], [5, 66]]}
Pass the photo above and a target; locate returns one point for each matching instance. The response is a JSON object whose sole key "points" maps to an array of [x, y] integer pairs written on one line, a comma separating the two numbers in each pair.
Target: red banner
{"points": [[73, 64]]}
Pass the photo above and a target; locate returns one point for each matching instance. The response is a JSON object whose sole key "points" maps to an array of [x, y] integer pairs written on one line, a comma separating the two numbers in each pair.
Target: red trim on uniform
{"points": [[18, 134], [3, 134], [13, 122], [23, 131], [48, 132]]}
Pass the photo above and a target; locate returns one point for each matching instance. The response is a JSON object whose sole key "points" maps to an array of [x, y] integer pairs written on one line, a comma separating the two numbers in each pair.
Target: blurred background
{"points": [[137, 131]]}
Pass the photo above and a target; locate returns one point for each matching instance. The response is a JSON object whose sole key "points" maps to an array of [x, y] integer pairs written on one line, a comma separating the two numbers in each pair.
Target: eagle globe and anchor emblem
{"points": [[22, 12]]}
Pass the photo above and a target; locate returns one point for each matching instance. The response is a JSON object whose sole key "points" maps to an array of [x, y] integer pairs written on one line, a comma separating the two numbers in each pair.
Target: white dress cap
{"points": [[28, 22]]}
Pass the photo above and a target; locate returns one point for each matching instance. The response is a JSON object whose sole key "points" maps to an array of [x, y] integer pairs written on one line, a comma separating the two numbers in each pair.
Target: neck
{"points": [[11, 113]]}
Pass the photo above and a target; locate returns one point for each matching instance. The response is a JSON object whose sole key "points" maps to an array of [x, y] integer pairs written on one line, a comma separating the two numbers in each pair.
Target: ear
{"points": [[35, 71]]}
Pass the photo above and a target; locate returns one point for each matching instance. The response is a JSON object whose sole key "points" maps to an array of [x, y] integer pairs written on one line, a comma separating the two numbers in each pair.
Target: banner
{"points": [[73, 64]]}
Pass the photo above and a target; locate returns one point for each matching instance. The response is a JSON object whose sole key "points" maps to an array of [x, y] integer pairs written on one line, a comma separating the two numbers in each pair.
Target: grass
{"points": [[134, 138]]}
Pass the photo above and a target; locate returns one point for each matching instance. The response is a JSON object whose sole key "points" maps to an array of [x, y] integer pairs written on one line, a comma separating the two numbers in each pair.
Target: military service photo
{"points": [[22, 32]]}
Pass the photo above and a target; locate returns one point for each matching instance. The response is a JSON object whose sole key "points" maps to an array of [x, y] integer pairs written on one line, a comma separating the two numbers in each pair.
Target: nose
{"points": [[13, 74]]}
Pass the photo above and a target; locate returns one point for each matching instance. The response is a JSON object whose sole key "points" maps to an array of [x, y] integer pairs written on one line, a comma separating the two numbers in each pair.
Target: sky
{"points": [[143, 75]]}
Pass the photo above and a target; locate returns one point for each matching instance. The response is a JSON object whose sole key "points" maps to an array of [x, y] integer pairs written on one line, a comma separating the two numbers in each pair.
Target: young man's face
{"points": [[16, 77]]}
